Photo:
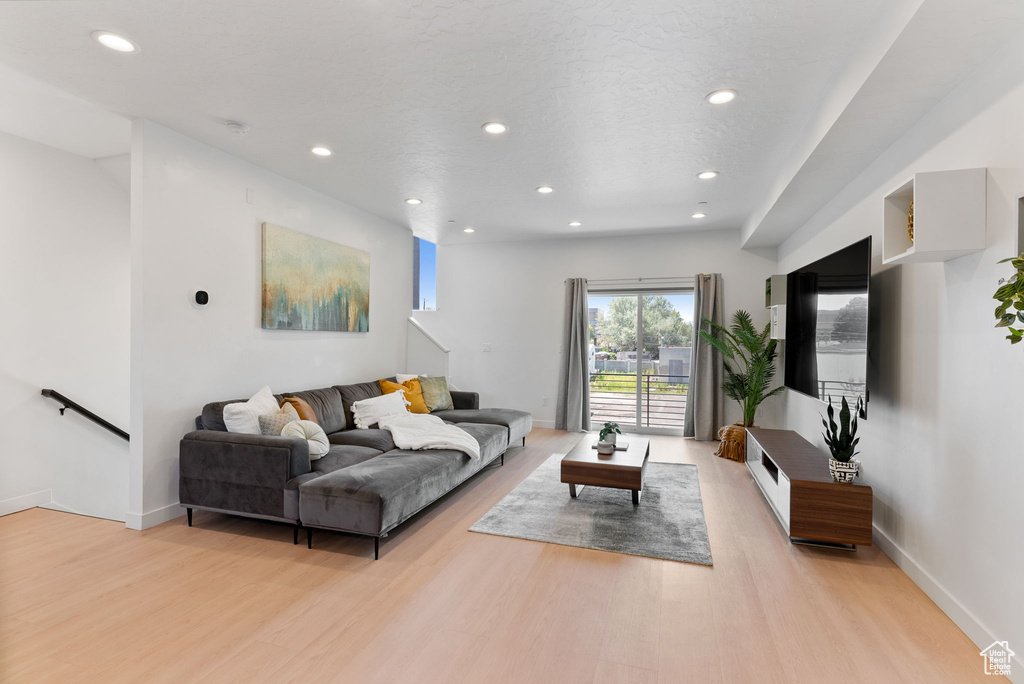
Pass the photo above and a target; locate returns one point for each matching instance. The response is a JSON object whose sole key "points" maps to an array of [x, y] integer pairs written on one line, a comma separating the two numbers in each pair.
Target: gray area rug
{"points": [[668, 523]]}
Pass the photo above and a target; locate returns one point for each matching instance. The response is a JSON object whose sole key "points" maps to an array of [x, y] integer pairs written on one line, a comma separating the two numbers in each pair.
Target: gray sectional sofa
{"points": [[364, 485]]}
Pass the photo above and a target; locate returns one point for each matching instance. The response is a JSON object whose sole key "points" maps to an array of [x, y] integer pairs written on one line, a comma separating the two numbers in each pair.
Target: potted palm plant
{"points": [[749, 358], [842, 441]]}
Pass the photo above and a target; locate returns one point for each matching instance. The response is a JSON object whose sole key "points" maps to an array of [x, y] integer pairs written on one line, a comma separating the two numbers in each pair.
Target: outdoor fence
{"points": [[613, 398]]}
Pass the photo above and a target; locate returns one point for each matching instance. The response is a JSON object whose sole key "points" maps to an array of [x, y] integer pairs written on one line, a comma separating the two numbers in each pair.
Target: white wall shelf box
{"points": [[778, 322], [949, 217], [775, 291]]}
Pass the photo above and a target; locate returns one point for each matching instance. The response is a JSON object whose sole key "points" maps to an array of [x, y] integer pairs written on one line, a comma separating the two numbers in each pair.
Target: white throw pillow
{"points": [[312, 433], [402, 379], [244, 417], [367, 412]]}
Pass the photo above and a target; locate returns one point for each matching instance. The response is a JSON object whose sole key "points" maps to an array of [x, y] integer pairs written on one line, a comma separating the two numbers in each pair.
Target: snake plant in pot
{"points": [[842, 441]]}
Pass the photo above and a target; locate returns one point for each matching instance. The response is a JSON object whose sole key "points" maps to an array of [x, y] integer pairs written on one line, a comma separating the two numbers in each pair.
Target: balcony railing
{"points": [[662, 399]]}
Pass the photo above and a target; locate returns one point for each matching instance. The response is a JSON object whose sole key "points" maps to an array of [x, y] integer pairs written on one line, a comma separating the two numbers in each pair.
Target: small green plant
{"points": [[608, 429], [842, 439], [1011, 296], [753, 354]]}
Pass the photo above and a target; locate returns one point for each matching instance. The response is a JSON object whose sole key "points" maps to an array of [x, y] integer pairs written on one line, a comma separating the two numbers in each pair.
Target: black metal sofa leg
{"points": [[295, 533], [309, 537], [524, 441], [188, 514], [376, 548]]}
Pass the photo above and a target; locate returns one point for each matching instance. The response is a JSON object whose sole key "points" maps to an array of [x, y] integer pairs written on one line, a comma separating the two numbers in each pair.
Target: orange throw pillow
{"points": [[301, 407], [413, 392]]}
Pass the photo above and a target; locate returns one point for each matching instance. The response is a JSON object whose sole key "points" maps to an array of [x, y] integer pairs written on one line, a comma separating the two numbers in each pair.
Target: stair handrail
{"points": [[75, 406], [430, 337]]}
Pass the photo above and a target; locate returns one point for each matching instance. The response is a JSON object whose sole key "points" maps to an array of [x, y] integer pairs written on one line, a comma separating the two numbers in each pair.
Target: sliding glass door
{"points": [[640, 359]]}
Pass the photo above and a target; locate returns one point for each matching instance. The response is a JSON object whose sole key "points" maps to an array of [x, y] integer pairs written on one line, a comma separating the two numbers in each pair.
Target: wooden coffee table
{"points": [[621, 469]]}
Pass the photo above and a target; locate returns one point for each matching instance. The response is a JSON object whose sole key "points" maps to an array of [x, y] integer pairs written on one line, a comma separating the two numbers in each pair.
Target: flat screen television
{"points": [[827, 304]]}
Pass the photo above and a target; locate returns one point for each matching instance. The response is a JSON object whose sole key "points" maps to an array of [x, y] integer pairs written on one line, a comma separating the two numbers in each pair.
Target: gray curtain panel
{"points": [[572, 411], [705, 403]]}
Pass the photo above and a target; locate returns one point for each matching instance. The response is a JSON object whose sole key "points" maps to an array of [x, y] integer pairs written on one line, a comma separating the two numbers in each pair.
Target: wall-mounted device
{"points": [[200, 299]]}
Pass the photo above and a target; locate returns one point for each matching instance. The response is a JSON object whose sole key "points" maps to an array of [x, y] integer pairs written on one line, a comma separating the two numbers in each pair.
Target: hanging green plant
{"points": [[1011, 300]]}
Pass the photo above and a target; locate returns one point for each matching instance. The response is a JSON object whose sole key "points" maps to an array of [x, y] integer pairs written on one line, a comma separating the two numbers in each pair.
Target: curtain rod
{"points": [[635, 280]]}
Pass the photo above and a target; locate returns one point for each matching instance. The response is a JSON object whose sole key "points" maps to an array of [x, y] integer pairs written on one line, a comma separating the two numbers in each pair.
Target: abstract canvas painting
{"points": [[313, 284]]}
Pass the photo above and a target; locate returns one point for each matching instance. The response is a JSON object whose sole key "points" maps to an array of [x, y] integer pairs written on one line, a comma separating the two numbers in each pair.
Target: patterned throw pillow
{"points": [[273, 423], [436, 394]]}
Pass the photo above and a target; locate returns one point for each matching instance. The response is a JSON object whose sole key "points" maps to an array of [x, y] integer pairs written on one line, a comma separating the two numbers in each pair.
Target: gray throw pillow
{"points": [[436, 394], [273, 423]]}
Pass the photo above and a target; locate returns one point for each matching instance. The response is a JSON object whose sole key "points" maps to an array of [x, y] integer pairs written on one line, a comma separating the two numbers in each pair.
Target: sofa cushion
{"points": [[518, 423], [342, 456], [327, 404], [350, 394], [372, 438], [493, 439], [374, 496]]}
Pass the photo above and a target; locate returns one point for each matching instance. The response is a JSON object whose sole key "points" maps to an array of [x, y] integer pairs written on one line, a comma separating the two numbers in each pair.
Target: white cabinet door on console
{"points": [[772, 482]]}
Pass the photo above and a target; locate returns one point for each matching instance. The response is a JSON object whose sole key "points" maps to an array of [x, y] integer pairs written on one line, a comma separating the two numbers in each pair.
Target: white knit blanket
{"points": [[424, 431]]}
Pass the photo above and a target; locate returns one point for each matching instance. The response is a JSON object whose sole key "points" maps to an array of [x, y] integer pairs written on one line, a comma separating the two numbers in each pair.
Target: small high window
{"points": [[424, 275]]}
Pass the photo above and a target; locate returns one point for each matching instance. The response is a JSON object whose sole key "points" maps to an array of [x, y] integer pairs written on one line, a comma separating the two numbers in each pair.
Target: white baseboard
{"points": [[143, 521], [543, 423], [24, 502], [954, 610]]}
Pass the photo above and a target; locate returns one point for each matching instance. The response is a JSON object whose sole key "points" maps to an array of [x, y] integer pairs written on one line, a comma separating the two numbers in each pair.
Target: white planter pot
{"points": [[610, 438], [843, 471], [605, 448]]}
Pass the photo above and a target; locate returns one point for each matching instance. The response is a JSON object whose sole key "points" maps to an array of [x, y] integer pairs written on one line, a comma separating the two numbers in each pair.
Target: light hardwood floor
{"points": [[232, 600]]}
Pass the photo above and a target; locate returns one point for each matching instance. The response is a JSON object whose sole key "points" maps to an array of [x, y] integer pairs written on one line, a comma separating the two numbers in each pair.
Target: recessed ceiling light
{"points": [[413, 200], [321, 151], [574, 224], [545, 189], [114, 41], [468, 230], [721, 96], [699, 214], [707, 175], [495, 127]]}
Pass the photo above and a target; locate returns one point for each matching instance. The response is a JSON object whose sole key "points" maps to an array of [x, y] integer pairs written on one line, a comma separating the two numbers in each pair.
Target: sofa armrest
{"points": [[465, 400], [233, 458]]}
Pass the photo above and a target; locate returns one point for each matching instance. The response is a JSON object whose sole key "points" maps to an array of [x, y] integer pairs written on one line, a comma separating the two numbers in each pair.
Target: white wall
{"points": [[511, 295], [192, 228], [64, 269], [942, 445]]}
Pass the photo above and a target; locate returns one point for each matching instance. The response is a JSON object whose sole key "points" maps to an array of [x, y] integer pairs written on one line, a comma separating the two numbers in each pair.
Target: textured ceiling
{"points": [[605, 98], [939, 45]]}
